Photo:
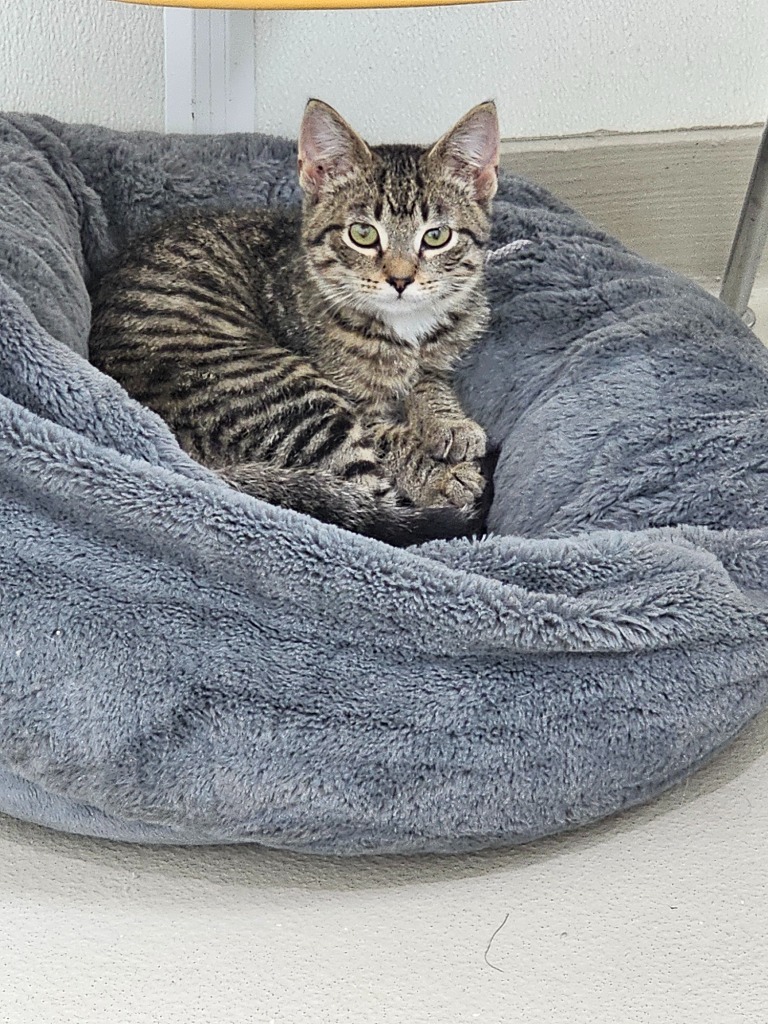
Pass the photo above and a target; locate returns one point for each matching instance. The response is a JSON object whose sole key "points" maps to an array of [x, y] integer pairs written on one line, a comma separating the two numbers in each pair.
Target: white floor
{"points": [[658, 916]]}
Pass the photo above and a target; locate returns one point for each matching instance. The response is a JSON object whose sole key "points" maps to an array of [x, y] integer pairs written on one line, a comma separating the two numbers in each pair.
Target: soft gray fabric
{"points": [[181, 663]]}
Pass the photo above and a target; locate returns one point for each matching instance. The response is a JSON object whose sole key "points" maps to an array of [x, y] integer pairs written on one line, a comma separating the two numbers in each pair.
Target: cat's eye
{"points": [[436, 238], [364, 235]]}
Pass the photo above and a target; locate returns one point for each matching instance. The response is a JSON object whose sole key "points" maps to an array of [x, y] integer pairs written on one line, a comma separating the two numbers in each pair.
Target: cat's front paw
{"points": [[459, 485], [455, 441]]}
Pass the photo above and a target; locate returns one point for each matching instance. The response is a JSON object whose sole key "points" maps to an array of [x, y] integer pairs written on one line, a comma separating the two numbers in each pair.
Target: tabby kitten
{"points": [[306, 357]]}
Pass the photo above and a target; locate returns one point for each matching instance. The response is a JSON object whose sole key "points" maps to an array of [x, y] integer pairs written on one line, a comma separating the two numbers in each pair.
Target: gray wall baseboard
{"points": [[674, 196]]}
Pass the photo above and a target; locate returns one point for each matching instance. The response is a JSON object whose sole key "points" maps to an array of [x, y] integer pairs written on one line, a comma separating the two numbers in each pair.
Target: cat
{"points": [[306, 355]]}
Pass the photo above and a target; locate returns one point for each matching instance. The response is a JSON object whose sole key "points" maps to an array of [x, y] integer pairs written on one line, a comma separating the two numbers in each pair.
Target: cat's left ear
{"points": [[470, 150]]}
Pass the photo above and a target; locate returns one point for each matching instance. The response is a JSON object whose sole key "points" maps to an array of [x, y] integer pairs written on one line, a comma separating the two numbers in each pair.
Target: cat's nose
{"points": [[399, 283]]}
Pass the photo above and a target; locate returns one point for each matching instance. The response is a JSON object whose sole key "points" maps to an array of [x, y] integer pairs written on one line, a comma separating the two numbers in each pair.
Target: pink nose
{"points": [[399, 283]]}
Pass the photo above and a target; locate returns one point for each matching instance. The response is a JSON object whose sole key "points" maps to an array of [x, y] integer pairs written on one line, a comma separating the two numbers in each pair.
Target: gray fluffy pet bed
{"points": [[180, 663]]}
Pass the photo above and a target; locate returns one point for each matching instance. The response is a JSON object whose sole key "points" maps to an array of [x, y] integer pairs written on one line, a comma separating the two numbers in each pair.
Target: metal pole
{"points": [[750, 238]]}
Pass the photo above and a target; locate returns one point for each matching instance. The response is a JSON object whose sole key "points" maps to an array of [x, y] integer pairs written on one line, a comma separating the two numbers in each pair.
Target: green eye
{"points": [[436, 238], [365, 235]]}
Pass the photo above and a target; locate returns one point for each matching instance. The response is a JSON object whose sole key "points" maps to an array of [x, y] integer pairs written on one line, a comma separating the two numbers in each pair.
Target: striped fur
{"points": [[307, 370]]}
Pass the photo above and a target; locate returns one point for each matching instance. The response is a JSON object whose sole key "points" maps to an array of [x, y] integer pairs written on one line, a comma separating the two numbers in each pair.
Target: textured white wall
{"points": [[556, 67], [83, 60]]}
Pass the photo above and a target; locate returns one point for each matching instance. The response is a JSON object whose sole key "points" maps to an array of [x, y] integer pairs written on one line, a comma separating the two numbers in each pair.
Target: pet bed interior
{"points": [[181, 663]]}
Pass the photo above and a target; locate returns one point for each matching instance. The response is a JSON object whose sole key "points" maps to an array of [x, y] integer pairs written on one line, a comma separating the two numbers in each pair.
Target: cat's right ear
{"points": [[328, 148]]}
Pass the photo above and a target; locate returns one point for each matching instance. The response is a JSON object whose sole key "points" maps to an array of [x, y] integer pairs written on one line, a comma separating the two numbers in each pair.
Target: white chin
{"points": [[412, 320]]}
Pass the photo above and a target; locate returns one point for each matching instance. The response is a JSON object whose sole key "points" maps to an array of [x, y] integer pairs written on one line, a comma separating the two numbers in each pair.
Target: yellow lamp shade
{"points": [[300, 5]]}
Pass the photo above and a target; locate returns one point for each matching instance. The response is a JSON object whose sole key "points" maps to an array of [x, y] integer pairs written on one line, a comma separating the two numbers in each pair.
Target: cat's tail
{"points": [[382, 516]]}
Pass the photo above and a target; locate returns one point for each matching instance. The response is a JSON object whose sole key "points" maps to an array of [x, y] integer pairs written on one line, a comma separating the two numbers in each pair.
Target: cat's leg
{"points": [[423, 479], [419, 475], [328, 436], [445, 430], [268, 405], [434, 454]]}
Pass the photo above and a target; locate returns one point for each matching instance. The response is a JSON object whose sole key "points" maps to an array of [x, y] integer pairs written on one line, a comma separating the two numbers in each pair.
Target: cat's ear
{"points": [[328, 148], [470, 151]]}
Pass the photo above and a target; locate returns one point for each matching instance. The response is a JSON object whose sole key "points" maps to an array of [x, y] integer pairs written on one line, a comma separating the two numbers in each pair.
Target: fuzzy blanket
{"points": [[182, 663]]}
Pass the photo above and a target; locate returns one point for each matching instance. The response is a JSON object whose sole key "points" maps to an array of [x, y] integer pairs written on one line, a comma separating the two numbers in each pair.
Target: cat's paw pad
{"points": [[460, 440], [460, 485]]}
